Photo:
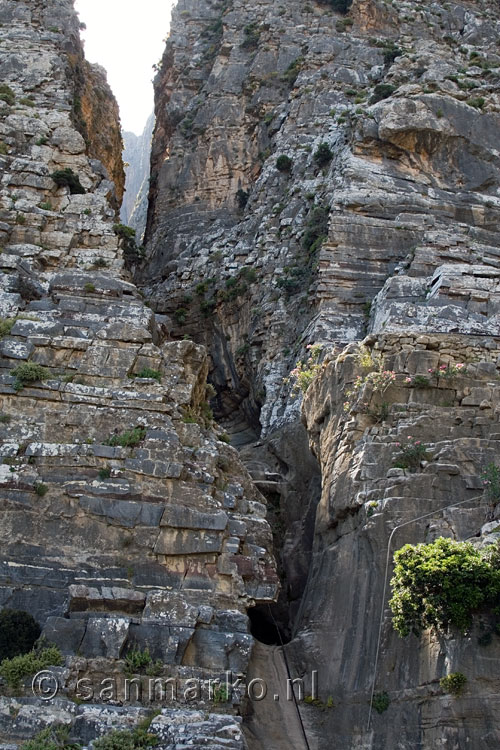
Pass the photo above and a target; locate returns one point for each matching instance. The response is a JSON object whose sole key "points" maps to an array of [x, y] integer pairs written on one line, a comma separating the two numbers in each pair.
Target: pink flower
{"points": [[407, 380], [430, 370], [410, 437]]}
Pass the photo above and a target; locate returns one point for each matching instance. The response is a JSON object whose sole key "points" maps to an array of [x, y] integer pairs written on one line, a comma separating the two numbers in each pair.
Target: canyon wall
{"points": [[137, 156], [130, 529], [379, 220]]}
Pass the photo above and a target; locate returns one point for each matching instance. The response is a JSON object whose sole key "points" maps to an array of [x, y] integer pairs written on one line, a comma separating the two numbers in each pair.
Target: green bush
{"points": [[381, 702], [40, 489], [55, 737], [491, 481], [89, 287], [6, 325], [137, 661], [477, 102], [104, 473], [13, 670], [129, 438], [147, 372], [132, 252], [180, 315], [284, 163], [28, 372], [7, 95], [441, 584], [18, 633], [67, 178], [316, 228], [252, 36], [242, 197], [454, 683], [4, 149], [291, 73], [323, 154], [126, 740], [382, 91]]}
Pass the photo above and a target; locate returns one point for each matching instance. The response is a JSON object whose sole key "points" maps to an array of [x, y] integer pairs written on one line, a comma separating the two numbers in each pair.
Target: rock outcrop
{"points": [[317, 177], [130, 529], [137, 157]]}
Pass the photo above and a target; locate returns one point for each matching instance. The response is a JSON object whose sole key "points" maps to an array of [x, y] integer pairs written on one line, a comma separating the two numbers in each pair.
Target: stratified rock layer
{"points": [[127, 525], [390, 229]]}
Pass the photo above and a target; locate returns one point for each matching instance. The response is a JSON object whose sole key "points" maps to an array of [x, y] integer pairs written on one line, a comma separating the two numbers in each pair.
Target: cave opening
{"points": [[264, 627]]}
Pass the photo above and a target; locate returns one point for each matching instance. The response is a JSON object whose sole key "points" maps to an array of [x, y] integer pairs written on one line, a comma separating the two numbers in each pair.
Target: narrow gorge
{"points": [[216, 435]]}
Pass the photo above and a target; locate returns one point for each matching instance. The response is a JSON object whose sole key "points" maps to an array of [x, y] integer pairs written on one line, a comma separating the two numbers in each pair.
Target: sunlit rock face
{"points": [[128, 525], [388, 230], [137, 157]]}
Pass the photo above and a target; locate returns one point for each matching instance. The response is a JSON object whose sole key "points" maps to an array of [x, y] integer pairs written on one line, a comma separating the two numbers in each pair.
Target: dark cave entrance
{"points": [[264, 626]]}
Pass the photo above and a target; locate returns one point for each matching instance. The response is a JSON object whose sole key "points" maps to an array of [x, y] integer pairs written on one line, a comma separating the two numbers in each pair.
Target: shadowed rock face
{"points": [[395, 235], [127, 525]]}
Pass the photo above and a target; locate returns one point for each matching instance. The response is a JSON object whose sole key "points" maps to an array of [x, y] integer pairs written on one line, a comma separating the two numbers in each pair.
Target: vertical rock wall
{"points": [[128, 524]]}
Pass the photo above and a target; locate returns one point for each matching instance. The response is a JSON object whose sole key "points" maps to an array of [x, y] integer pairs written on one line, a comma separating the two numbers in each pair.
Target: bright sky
{"points": [[127, 38]]}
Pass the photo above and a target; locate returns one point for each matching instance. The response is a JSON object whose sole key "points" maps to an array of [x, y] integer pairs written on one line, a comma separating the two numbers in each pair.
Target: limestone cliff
{"points": [[316, 177], [129, 526], [137, 157]]}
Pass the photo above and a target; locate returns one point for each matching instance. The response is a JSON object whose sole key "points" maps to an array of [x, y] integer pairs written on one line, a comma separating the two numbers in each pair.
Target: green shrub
{"points": [[477, 102], [46, 206], [129, 438], [126, 740], [147, 372], [6, 325], [18, 633], [381, 702], [28, 372], [5, 418], [284, 163], [251, 38], [6, 94], [89, 287], [40, 489], [491, 481], [55, 737], [137, 661], [104, 473], [15, 669], [382, 91], [323, 154], [180, 315], [418, 381], [391, 51], [100, 263], [4, 149], [316, 228], [242, 197], [454, 683], [441, 584], [27, 102], [42, 140], [291, 73], [132, 252], [67, 178]]}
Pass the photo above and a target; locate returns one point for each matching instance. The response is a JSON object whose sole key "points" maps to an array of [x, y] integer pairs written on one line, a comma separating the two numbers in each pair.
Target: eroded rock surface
{"points": [[127, 524]]}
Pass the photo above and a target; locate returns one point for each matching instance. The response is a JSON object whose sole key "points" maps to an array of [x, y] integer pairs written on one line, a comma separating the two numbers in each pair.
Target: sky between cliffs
{"points": [[127, 38]]}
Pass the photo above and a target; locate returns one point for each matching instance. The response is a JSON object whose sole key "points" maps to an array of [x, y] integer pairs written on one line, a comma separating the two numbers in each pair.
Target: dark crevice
{"points": [[264, 627]]}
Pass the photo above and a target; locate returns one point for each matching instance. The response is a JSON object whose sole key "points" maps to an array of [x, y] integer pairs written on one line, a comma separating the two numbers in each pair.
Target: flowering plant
{"points": [[305, 372], [380, 382], [448, 371], [411, 453]]}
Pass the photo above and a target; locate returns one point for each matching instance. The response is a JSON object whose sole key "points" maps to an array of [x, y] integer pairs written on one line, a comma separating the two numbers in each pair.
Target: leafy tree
{"points": [[441, 584]]}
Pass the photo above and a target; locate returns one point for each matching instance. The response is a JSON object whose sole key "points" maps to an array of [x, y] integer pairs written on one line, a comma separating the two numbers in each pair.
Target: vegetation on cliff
{"points": [[442, 584]]}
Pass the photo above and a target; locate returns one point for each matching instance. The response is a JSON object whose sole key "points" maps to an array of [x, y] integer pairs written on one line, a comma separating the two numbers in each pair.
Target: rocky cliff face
{"points": [[137, 157], [381, 220], [129, 526]]}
